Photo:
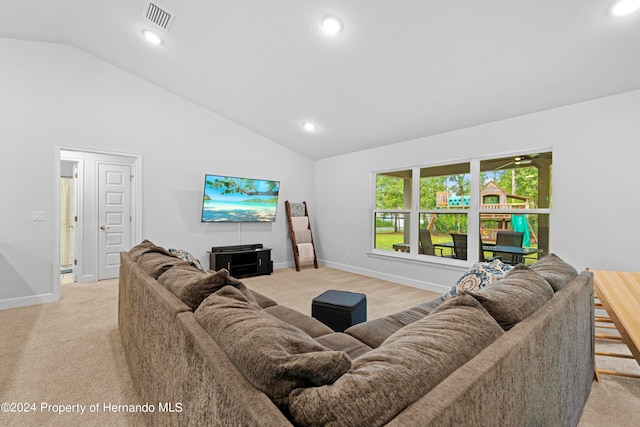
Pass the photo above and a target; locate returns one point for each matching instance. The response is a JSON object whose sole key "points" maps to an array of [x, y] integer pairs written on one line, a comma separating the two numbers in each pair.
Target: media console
{"points": [[241, 260]]}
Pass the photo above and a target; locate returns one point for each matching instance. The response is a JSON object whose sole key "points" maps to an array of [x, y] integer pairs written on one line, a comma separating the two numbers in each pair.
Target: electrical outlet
{"points": [[39, 215]]}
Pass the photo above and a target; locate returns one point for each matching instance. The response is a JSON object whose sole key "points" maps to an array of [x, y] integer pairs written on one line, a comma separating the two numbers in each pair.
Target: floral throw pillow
{"points": [[186, 256], [479, 276]]}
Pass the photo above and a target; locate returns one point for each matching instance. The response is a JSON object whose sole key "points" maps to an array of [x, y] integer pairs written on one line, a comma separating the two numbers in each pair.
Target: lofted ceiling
{"points": [[397, 70]]}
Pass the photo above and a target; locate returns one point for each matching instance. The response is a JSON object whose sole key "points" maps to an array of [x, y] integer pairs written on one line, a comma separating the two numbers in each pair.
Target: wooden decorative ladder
{"points": [[304, 251]]}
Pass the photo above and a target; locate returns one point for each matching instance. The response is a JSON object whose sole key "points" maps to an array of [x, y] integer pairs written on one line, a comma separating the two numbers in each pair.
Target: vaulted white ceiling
{"points": [[398, 70]]}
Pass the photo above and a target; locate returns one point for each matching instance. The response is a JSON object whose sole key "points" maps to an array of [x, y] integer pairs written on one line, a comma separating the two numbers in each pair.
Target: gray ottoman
{"points": [[340, 310]]}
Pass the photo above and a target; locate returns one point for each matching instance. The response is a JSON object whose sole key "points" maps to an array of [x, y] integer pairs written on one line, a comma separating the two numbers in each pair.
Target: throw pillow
{"points": [[192, 285], [139, 249], [479, 276], [156, 263], [556, 271], [144, 247], [516, 296], [274, 356], [384, 381], [186, 256]]}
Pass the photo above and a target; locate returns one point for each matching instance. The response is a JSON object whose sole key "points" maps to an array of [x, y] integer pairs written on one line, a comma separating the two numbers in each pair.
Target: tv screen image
{"points": [[233, 199]]}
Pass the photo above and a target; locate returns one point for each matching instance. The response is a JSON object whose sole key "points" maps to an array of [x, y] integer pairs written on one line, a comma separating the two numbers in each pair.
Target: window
{"points": [[445, 200], [460, 209], [393, 210]]}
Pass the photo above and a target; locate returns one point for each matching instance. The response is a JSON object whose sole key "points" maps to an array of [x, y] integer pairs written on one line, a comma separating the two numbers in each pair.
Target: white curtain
{"points": [[66, 222]]}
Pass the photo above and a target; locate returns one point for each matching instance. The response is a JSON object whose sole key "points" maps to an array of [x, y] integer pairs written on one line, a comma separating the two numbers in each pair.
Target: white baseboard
{"points": [[280, 265], [27, 301], [434, 287]]}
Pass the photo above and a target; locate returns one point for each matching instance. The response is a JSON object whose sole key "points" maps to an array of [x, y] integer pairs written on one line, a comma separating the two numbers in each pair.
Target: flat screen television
{"points": [[233, 199]]}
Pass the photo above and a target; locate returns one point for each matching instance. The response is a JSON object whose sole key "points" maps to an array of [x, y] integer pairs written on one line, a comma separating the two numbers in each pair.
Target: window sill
{"points": [[449, 263]]}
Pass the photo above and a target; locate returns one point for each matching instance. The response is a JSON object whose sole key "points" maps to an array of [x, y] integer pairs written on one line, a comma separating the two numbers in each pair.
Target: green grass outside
{"points": [[386, 241]]}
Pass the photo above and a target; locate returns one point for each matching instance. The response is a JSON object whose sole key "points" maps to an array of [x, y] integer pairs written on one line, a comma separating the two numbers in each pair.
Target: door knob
{"points": [[104, 227]]}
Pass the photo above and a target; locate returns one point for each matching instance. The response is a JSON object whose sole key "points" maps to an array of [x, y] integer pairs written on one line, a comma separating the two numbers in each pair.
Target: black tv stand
{"points": [[241, 260]]}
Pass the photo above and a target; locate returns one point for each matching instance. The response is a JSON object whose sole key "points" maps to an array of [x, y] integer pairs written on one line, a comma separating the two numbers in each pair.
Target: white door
{"points": [[114, 217]]}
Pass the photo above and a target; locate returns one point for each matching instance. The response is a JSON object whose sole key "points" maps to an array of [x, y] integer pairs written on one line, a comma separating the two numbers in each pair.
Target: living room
{"points": [[61, 97], [58, 95]]}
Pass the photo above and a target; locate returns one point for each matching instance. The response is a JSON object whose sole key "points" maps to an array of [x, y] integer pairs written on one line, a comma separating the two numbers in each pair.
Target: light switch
{"points": [[39, 215]]}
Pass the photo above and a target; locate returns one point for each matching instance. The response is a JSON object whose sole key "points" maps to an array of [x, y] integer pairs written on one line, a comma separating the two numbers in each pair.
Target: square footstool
{"points": [[340, 310]]}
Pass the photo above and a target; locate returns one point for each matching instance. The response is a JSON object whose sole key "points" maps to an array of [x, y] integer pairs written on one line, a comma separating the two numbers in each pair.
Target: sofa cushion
{"points": [[479, 276], [273, 355], [374, 332], [308, 324], [193, 285], [155, 263], [556, 271], [384, 381], [340, 341], [263, 301], [513, 298], [144, 247], [428, 306]]}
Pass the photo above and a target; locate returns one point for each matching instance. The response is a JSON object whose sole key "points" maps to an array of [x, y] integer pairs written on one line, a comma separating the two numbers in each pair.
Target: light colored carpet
{"points": [[69, 352], [66, 353], [615, 401]]}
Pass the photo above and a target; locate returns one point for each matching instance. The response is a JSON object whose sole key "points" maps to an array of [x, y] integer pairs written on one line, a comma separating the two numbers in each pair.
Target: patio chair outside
{"points": [[459, 245], [426, 245], [508, 238]]}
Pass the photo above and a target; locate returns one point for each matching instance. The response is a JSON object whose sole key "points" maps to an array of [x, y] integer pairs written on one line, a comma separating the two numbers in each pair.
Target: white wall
{"points": [[54, 95], [596, 201]]}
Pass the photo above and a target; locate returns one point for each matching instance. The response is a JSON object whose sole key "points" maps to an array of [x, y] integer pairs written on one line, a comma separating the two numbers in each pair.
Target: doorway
{"points": [[99, 213]]}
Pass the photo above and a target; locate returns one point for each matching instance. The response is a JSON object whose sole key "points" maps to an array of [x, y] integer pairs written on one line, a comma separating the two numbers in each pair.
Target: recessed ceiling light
{"points": [[151, 37], [625, 7], [331, 25], [309, 127]]}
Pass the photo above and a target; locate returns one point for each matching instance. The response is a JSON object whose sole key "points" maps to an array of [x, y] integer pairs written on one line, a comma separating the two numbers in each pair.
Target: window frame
{"points": [[473, 212]]}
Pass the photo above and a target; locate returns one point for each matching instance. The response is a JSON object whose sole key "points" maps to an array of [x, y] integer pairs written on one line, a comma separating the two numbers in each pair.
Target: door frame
{"points": [[136, 204]]}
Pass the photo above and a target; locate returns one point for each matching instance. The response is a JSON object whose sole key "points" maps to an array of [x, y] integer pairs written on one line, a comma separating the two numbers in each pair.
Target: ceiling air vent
{"points": [[158, 15]]}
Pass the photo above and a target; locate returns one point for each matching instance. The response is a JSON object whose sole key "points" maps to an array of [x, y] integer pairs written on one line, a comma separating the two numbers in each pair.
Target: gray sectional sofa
{"points": [[205, 350]]}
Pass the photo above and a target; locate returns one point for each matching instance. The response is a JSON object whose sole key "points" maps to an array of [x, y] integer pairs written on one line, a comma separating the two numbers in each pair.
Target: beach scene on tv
{"points": [[239, 199]]}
